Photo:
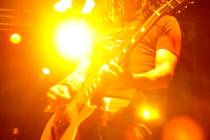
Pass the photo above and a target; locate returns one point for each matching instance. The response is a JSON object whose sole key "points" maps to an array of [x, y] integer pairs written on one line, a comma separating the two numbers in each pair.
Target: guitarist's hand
{"points": [[114, 73], [58, 95]]}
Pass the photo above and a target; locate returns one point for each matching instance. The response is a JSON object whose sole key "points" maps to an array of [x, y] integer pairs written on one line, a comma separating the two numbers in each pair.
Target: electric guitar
{"points": [[64, 123]]}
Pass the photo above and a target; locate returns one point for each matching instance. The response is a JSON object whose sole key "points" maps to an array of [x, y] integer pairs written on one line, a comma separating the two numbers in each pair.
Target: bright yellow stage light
{"points": [[73, 39], [15, 38], [62, 5], [148, 113], [89, 5], [46, 71]]}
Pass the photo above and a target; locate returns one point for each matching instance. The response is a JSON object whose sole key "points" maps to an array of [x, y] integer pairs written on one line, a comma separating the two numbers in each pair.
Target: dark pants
{"points": [[118, 126]]}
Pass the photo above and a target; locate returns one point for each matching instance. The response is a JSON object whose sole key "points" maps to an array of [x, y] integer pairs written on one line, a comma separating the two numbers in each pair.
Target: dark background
{"points": [[23, 88]]}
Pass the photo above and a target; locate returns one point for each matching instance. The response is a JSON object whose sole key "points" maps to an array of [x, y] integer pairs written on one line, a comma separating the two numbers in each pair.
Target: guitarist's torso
{"points": [[77, 112]]}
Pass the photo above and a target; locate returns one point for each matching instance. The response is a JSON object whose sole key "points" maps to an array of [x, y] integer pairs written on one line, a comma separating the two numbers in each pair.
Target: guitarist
{"points": [[143, 78]]}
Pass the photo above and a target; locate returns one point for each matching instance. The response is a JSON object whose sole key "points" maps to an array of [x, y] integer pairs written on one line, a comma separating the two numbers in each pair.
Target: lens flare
{"points": [[148, 113], [63, 5], [46, 71], [89, 5], [73, 39], [15, 38], [182, 128]]}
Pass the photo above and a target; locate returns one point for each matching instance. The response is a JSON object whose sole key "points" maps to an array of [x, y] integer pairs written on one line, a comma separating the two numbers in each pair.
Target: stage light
{"points": [[73, 39], [89, 5], [46, 71], [148, 113], [62, 5], [182, 128], [15, 38]]}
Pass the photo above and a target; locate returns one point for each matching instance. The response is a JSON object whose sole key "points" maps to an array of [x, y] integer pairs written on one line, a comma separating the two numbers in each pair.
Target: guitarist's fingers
{"points": [[107, 75], [59, 93], [114, 66], [51, 96], [107, 70], [64, 92]]}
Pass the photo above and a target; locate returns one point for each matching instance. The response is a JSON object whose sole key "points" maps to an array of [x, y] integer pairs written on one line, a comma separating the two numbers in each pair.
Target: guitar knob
{"points": [[179, 11]]}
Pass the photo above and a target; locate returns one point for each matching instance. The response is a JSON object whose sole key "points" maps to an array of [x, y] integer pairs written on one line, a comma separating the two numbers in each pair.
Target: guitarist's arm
{"points": [[167, 52], [160, 76], [157, 78]]}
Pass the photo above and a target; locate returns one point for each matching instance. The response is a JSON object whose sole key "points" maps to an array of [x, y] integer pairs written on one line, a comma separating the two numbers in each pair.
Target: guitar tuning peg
{"points": [[179, 11], [192, 2]]}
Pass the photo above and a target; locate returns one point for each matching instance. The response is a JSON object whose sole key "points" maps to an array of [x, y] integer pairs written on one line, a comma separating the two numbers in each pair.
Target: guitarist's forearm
{"points": [[76, 79], [151, 81]]}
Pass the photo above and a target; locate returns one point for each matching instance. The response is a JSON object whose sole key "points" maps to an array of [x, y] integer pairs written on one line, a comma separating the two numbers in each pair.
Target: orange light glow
{"points": [[15, 38], [182, 128], [46, 71], [73, 39], [148, 113]]}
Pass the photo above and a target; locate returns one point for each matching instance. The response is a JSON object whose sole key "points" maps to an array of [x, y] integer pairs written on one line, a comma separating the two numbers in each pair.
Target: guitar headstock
{"points": [[175, 6], [185, 5], [179, 4]]}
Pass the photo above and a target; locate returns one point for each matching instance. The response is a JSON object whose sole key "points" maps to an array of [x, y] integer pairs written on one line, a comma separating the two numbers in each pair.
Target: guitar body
{"points": [[74, 115]]}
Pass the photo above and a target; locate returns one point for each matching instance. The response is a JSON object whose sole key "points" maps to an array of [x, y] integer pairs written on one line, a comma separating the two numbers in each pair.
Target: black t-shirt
{"points": [[165, 30], [165, 34]]}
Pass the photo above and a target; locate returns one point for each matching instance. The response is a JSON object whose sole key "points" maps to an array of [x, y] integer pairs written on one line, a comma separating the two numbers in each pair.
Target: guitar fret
{"points": [[169, 4], [157, 13], [178, 1], [86, 93], [142, 29]]}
